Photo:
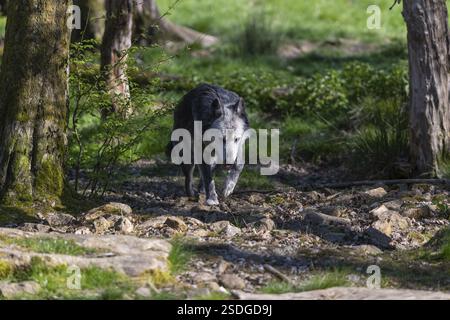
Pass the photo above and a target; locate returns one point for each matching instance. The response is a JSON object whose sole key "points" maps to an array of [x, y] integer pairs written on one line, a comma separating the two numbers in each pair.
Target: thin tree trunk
{"points": [[428, 44], [92, 20], [149, 19], [33, 101], [115, 46]]}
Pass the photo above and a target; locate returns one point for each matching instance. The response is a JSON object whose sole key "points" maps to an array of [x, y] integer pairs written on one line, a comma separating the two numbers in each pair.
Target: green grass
{"points": [[49, 246], [179, 256], [320, 281], [95, 283], [300, 19]]}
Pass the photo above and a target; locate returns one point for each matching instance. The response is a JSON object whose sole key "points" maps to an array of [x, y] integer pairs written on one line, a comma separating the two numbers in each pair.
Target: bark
{"points": [[429, 63], [3, 5], [115, 46], [93, 20], [151, 25], [33, 101]]}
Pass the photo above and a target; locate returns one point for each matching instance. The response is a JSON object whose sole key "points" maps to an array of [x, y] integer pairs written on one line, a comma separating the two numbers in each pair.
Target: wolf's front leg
{"points": [[232, 179], [210, 188]]}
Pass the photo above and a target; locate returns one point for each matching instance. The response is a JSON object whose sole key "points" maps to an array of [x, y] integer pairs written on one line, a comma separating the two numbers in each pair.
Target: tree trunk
{"points": [[429, 63], [3, 5], [115, 46], [148, 20], [33, 101], [92, 20]]}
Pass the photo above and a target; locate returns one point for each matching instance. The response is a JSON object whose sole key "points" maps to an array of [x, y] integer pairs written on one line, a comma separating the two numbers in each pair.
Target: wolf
{"points": [[222, 110]]}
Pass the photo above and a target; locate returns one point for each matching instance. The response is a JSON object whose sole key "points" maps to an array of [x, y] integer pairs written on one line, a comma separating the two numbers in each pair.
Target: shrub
{"points": [[258, 36], [98, 145], [381, 145]]}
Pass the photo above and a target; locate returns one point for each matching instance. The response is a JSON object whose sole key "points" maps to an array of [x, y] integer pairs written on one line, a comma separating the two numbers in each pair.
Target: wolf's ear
{"points": [[240, 107], [217, 108]]}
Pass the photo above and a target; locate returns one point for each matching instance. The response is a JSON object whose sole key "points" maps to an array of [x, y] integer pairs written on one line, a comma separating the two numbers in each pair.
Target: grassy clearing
{"points": [[49, 246], [337, 278], [300, 19]]}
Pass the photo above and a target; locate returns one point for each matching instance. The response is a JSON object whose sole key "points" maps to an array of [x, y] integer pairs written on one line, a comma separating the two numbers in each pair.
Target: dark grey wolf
{"points": [[220, 109]]}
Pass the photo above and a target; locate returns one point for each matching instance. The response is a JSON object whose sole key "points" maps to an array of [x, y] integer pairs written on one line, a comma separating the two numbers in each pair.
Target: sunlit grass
{"points": [[319, 281], [49, 246]]}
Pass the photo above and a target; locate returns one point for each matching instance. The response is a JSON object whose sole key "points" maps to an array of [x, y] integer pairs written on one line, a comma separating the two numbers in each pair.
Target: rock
{"points": [[35, 227], [155, 223], [421, 212], [125, 254], [380, 212], [83, 231], [256, 199], [376, 193], [368, 250], [387, 220], [394, 205], [349, 294], [59, 219], [124, 225], [13, 290], [144, 292], [214, 286], [378, 238], [102, 225], [176, 224], [333, 211], [222, 267], [318, 218], [232, 282], [225, 228], [204, 277], [383, 226], [265, 225], [112, 208]]}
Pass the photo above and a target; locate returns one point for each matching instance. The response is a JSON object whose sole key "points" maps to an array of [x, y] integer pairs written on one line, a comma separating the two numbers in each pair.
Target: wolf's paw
{"points": [[212, 202]]}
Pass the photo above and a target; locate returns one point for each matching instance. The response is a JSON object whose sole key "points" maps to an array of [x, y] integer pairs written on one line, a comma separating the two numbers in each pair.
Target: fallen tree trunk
{"points": [[342, 185], [150, 26]]}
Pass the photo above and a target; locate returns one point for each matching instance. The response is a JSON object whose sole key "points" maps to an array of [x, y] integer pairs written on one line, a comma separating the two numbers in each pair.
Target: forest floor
{"points": [[272, 237]]}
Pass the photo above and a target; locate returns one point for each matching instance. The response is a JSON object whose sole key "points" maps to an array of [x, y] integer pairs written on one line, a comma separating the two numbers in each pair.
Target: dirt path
{"points": [[283, 239]]}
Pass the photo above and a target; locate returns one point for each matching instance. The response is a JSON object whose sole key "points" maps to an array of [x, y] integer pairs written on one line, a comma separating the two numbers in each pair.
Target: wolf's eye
{"points": [[236, 140]]}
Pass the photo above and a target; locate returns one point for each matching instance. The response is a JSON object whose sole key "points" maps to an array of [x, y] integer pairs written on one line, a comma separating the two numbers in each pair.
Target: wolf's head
{"points": [[232, 122]]}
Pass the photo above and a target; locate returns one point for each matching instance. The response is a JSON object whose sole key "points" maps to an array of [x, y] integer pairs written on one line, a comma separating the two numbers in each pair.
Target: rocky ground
{"points": [[286, 237]]}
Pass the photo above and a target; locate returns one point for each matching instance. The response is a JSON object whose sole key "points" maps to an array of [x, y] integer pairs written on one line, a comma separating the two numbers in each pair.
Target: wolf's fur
{"points": [[215, 108]]}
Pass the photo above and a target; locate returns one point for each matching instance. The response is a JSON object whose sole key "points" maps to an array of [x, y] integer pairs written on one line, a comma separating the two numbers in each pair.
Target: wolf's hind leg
{"points": [[188, 171]]}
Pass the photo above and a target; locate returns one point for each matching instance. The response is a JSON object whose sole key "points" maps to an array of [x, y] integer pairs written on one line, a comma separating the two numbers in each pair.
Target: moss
{"points": [[49, 181], [16, 215], [6, 269], [159, 278]]}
